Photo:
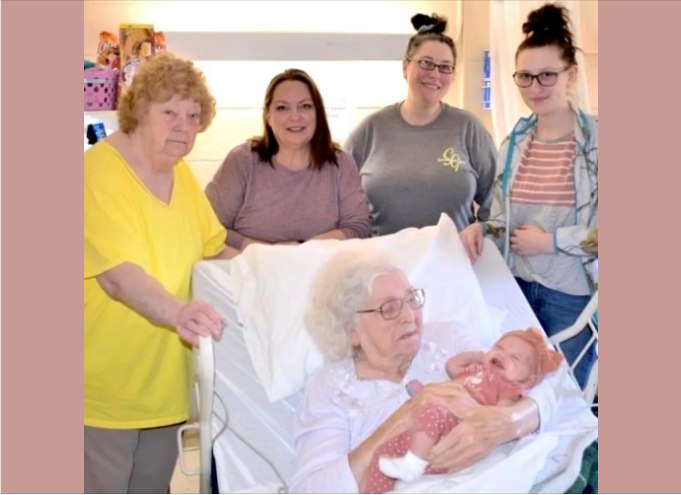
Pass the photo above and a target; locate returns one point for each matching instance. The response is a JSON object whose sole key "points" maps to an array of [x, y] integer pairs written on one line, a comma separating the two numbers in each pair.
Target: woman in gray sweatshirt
{"points": [[422, 157]]}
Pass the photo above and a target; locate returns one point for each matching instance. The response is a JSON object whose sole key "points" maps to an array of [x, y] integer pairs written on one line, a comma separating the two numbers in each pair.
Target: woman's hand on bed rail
{"points": [[130, 284], [473, 241], [480, 430], [198, 318]]}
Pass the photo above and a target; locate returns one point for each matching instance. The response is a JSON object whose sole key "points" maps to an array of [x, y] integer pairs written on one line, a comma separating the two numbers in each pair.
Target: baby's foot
{"points": [[407, 468]]}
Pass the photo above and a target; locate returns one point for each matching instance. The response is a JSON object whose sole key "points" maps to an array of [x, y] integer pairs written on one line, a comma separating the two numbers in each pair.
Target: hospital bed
{"points": [[247, 421], [587, 319]]}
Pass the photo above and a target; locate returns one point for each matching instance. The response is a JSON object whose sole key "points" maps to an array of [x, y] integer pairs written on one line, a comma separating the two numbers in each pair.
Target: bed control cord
{"points": [[225, 426]]}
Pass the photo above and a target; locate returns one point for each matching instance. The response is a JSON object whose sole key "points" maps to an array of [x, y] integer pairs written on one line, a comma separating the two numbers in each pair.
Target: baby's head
{"points": [[523, 357]]}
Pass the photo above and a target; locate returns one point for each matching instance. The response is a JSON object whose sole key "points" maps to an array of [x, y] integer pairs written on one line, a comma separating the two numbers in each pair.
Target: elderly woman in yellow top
{"points": [[146, 223]]}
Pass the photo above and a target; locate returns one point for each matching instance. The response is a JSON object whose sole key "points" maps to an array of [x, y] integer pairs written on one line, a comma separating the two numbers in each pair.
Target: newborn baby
{"points": [[516, 363]]}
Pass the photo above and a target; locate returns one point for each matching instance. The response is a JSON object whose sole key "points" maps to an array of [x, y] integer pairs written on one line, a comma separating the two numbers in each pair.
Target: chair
{"points": [[588, 318]]}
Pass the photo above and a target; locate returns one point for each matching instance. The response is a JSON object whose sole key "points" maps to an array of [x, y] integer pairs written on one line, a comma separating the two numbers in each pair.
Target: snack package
{"points": [[108, 54], [137, 43]]}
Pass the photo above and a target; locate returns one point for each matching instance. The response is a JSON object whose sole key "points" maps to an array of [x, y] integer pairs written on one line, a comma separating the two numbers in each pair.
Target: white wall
{"points": [[589, 18]]}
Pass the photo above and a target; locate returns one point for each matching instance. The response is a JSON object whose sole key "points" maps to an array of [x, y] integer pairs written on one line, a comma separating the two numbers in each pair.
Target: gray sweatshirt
{"points": [[413, 173]]}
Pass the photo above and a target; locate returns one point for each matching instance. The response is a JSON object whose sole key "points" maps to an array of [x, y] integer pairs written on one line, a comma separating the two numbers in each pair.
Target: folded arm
{"points": [[457, 364]]}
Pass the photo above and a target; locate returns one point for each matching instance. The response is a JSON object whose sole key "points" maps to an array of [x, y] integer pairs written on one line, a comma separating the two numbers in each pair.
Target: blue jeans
{"points": [[556, 311]]}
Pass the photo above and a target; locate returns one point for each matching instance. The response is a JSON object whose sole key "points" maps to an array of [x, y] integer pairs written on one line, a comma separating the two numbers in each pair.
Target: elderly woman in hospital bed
{"points": [[365, 317]]}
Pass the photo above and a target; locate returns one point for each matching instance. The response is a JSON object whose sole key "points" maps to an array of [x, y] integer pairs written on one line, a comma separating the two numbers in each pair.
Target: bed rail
{"points": [[586, 319], [205, 379]]}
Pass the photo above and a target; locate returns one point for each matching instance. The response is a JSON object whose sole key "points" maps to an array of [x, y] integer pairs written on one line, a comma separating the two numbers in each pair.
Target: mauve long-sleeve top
{"points": [[273, 204]]}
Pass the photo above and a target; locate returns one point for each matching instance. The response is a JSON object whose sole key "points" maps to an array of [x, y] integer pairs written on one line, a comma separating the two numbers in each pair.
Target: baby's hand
{"points": [[457, 364]]}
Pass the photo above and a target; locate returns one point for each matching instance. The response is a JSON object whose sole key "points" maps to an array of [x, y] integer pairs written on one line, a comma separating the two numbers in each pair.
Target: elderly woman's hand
{"points": [[481, 428], [198, 319], [435, 393], [446, 394]]}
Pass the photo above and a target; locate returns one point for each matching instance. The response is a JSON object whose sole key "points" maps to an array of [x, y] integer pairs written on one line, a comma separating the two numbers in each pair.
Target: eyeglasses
{"points": [[426, 64], [546, 78], [393, 308]]}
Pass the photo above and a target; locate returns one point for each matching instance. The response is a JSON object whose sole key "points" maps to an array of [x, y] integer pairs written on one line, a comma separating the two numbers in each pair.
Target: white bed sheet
{"points": [[267, 426]]}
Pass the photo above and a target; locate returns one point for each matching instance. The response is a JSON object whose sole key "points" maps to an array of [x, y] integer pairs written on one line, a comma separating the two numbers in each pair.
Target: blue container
{"points": [[487, 95], [486, 66]]}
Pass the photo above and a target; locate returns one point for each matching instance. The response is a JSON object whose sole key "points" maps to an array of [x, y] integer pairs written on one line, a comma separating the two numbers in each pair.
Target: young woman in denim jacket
{"points": [[545, 210]]}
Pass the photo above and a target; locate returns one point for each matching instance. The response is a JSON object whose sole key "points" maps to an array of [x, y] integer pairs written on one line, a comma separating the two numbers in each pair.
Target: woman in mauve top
{"points": [[293, 183]]}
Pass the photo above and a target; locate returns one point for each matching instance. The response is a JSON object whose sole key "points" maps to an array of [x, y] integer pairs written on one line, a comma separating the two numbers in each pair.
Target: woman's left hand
{"points": [[473, 241], [529, 239], [198, 319], [481, 428]]}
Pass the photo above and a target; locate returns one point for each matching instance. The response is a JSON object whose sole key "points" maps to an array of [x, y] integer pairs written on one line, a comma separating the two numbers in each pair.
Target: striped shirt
{"points": [[545, 174]]}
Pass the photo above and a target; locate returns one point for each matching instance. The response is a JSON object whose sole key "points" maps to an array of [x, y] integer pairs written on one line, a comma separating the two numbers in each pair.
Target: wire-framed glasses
{"points": [[392, 308], [429, 65], [545, 78]]}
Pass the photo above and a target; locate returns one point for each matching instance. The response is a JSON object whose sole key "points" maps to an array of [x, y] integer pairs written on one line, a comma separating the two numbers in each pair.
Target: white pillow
{"points": [[271, 287]]}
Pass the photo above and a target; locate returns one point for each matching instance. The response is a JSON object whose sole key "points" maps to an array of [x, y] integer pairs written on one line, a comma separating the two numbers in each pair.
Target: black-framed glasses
{"points": [[546, 78], [427, 64], [392, 308]]}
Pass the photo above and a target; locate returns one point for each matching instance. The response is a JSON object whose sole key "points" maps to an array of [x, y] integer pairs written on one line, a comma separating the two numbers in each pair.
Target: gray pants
{"points": [[130, 461]]}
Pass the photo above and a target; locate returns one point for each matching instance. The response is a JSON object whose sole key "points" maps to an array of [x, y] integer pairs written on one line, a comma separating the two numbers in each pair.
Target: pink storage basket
{"points": [[99, 89]]}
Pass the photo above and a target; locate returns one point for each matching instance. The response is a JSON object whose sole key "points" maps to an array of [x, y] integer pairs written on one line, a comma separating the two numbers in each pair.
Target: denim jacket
{"points": [[580, 239]]}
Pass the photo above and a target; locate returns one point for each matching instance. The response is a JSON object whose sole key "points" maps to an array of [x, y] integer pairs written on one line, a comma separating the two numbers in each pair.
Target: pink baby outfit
{"points": [[486, 386]]}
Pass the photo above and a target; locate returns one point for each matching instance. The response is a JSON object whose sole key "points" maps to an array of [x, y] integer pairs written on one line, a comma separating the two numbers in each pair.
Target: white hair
{"points": [[341, 285]]}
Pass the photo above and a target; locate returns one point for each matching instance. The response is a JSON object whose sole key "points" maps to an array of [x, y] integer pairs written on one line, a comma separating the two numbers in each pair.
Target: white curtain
{"points": [[506, 21]]}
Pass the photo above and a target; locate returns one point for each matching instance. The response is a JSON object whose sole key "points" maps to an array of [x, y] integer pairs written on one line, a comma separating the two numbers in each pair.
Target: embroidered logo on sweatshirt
{"points": [[450, 158]]}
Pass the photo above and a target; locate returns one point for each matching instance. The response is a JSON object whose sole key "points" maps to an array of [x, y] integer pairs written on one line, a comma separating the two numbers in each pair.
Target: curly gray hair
{"points": [[341, 285]]}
